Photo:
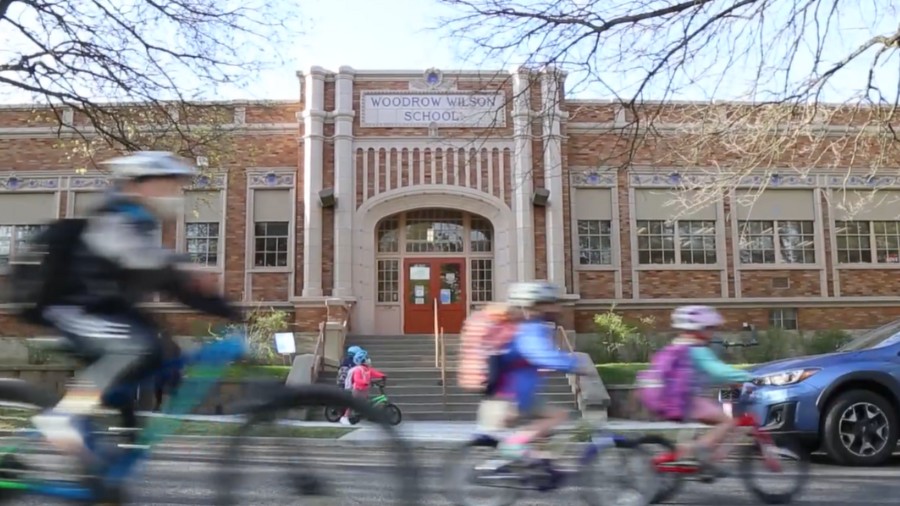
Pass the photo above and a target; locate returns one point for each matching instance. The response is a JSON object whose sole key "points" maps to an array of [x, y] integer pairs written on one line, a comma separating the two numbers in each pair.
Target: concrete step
{"points": [[398, 377], [405, 399]]}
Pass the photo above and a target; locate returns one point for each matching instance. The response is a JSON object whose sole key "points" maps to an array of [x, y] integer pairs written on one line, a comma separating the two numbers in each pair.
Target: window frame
{"points": [[872, 236], [613, 254], [287, 251], [678, 265], [250, 232], [778, 315], [185, 239], [779, 263], [12, 243]]}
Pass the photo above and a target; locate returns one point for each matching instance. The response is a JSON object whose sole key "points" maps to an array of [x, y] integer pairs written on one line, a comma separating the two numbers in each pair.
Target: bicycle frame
{"points": [[746, 422], [205, 367]]}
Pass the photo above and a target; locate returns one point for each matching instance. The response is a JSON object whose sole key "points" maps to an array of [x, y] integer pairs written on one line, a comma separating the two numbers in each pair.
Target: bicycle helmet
{"points": [[696, 318], [144, 164], [360, 357], [353, 350], [533, 292]]}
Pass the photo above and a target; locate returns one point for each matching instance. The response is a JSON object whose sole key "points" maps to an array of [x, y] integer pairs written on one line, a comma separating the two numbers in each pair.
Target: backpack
{"points": [[36, 282], [666, 387], [484, 336]]}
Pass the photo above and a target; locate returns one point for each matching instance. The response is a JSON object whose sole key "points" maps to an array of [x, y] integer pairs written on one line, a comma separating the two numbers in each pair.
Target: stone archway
{"points": [[410, 198]]}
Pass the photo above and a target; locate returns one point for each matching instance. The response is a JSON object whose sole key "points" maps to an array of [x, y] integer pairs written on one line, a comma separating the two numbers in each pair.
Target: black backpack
{"points": [[40, 278]]}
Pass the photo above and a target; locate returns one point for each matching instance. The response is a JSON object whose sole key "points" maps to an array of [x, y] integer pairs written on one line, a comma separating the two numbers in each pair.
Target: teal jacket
{"points": [[716, 371]]}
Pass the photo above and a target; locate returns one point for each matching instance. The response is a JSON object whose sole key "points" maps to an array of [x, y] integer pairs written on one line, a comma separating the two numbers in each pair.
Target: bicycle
{"points": [[761, 447], [542, 474], [204, 368], [380, 401]]}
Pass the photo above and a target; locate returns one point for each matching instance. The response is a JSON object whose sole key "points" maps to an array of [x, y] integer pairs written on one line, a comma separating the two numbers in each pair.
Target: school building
{"points": [[396, 190]]}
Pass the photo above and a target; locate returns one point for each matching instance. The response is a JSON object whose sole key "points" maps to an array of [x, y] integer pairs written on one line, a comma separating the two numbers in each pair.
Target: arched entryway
{"points": [[432, 256]]}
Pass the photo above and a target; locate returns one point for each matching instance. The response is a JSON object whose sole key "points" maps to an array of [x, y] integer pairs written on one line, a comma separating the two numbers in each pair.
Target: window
{"points": [[795, 242], [482, 272], [271, 244], [388, 280], [389, 236], [682, 242], [855, 240], [14, 241], [202, 243], [481, 235], [595, 242], [434, 231], [785, 319]]}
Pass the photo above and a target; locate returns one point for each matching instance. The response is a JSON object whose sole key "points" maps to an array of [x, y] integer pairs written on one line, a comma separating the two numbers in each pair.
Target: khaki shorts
{"points": [[500, 414]]}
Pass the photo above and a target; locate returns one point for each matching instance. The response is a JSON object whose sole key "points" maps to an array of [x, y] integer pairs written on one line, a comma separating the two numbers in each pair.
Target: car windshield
{"points": [[885, 335]]}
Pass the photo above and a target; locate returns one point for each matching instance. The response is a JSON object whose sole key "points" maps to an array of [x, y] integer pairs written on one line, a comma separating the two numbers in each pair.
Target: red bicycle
{"points": [[758, 452]]}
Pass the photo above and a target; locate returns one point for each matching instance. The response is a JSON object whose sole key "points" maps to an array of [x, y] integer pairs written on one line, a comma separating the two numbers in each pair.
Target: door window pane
{"points": [[451, 283]]}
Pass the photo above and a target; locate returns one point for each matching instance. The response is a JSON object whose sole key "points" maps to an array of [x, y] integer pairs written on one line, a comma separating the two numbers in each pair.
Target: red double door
{"points": [[426, 280]]}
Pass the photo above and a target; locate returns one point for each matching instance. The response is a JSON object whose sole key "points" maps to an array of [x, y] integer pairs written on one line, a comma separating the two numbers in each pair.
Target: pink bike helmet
{"points": [[696, 318]]}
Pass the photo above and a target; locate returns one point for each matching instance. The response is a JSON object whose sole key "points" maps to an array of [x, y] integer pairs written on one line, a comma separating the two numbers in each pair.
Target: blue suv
{"points": [[847, 403]]}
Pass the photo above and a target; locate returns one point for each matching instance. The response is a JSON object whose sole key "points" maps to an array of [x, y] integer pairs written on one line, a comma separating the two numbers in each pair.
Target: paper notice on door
{"points": [[450, 277], [420, 291], [419, 272], [420, 300], [445, 296]]}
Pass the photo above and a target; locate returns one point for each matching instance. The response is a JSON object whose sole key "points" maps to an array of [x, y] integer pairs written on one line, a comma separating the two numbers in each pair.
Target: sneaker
{"points": [[345, 420], [61, 430]]}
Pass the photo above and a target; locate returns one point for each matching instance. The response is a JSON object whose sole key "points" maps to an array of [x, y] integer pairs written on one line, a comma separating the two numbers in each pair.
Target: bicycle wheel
{"points": [[393, 413], [461, 467], [617, 474], [756, 457], [667, 484], [324, 470], [333, 414]]}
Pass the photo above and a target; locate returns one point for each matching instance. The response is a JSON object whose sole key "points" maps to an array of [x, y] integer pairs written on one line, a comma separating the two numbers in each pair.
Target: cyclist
{"points": [[697, 325], [516, 373], [359, 379], [347, 364], [116, 263]]}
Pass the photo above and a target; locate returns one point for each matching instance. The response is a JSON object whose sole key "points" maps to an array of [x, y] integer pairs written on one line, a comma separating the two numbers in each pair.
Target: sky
{"points": [[401, 34]]}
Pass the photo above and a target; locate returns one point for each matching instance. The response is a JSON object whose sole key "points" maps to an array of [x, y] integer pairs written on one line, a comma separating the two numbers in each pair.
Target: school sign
{"points": [[423, 110]]}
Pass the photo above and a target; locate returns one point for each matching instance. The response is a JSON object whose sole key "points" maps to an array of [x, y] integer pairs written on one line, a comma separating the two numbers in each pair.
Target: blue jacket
{"points": [[532, 349]]}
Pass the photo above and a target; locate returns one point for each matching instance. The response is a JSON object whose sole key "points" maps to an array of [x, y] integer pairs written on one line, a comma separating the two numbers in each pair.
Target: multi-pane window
{"points": [[202, 243], [777, 241], [434, 231], [783, 318], [594, 242], [863, 241], [271, 244], [682, 242], [482, 274], [14, 241], [389, 235], [388, 280], [481, 235]]}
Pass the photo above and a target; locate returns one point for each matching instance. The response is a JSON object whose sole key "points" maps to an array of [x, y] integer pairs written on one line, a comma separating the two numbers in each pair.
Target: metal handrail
{"points": [[319, 352]]}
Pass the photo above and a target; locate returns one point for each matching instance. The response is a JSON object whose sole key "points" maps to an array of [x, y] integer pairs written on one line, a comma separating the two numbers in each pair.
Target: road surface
{"points": [[186, 477]]}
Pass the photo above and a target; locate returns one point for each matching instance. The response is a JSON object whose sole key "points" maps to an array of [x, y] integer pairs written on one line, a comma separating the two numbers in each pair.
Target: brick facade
{"points": [[270, 142]]}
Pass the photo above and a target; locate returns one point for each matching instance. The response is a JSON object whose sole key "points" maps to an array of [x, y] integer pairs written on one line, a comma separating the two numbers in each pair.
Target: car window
{"points": [[880, 337], [887, 342]]}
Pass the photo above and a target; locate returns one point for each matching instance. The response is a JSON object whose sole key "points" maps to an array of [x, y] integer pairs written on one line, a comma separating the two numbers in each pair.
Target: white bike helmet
{"points": [[533, 292], [150, 164], [696, 318]]}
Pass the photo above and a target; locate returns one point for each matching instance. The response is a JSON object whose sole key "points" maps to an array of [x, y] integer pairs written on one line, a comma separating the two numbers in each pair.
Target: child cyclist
{"points": [[359, 379], [346, 365], [672, 387]]}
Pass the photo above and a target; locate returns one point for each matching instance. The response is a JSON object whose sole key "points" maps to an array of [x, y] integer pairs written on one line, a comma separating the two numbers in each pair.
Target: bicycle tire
{"points": [[393, 414], [332, 414], [668, 484], [749, 458], [453, 491], [306, 396], [587, 481]]}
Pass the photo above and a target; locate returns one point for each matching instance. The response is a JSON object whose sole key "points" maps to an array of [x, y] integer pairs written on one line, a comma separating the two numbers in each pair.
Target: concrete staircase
{"points": [[414, 382]]}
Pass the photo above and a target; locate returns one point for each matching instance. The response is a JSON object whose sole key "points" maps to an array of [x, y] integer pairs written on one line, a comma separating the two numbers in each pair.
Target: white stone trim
{"points": [[554, 224], [313, 174], [411, 198], [523, 183], [344, 186]]}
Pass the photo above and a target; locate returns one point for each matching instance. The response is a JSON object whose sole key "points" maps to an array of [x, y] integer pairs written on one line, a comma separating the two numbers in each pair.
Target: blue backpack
{"points": [[666, 387]]}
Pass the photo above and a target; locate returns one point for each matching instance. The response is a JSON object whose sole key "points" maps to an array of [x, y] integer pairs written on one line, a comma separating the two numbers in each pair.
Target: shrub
{"points": [[826, 341], [620, 341], [774, 344], [260, 330]]}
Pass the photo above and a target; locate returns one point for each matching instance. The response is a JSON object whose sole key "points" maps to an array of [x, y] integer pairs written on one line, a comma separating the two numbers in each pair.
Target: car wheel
{"points": [[860, 429]]}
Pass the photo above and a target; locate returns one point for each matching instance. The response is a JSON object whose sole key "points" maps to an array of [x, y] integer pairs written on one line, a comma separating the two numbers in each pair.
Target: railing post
{"points": [[443, 367], [436, 337]]}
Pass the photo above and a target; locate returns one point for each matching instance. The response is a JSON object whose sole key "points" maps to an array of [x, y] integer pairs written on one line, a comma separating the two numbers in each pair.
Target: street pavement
{"points": [[185, 475]]}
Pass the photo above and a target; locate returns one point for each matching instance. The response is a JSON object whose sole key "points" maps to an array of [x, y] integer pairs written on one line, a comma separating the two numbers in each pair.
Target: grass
{"points": [[242, 371], [623, 373]]}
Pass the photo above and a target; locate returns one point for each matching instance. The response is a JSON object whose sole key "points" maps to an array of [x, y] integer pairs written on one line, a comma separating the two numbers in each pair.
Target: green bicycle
{"points": [[392, 413]]}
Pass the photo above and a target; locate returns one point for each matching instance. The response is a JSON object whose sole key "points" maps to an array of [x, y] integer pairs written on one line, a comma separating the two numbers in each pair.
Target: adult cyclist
{"points": [[115, 265], [518, 374]]}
